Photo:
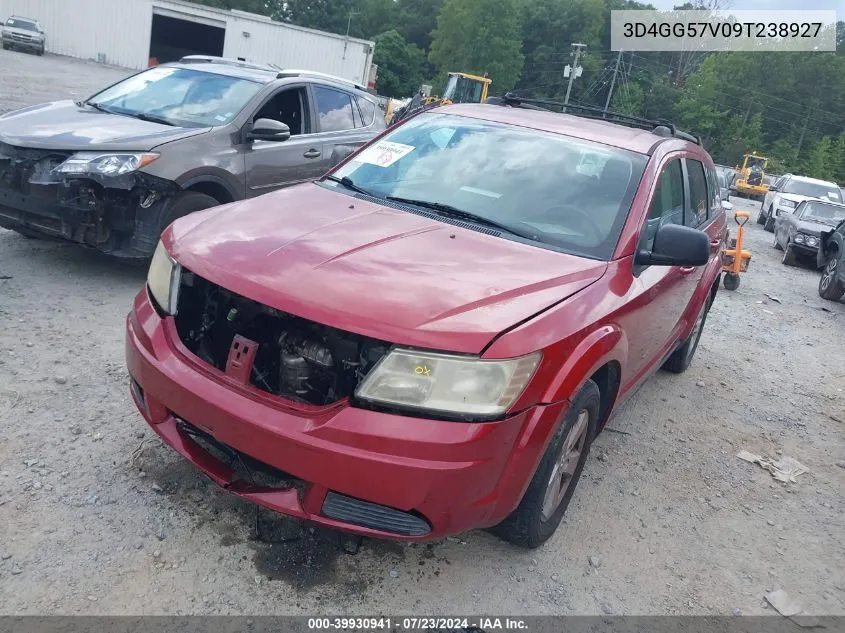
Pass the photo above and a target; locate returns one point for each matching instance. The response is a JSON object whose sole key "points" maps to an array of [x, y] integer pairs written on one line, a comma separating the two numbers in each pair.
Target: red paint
{"points": [[241, 358], [406, 279]]}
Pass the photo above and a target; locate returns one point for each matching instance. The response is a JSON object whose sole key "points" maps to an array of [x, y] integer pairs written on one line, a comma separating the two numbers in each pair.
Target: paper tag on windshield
{"points": [[384, 153]]}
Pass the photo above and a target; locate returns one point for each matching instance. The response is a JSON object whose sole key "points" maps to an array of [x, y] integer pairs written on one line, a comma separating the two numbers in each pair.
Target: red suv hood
{"points": [[372, 270]]}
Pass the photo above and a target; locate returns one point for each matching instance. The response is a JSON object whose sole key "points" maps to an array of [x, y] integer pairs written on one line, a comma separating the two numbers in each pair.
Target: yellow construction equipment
{"points": [[460, 88], [750, 178]]}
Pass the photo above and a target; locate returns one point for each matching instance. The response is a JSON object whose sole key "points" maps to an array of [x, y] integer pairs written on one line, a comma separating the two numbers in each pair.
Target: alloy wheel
{"points": [[566, 465]]}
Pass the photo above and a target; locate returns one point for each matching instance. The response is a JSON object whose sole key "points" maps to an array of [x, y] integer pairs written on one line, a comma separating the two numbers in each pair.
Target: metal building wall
{"points": [[118, 32], [117, 29]]}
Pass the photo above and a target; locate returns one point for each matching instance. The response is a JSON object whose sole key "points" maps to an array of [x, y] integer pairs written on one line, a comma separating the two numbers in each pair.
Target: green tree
{"points": [[364, 18], [400, 65], [628, 99], [819, 164], [417, 19], [837, 156], [479, 36]]}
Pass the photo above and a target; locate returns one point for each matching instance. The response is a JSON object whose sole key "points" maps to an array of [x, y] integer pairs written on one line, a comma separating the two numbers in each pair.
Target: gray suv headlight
{"points": [[105, 164]]}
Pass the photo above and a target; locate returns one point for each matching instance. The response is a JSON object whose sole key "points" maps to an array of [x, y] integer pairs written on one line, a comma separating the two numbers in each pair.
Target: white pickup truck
{"points": [[789, 191]]}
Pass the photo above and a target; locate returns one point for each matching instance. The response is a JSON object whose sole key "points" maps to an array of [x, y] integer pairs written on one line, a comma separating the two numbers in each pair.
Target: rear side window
{"points": [[368, 110], [667, 205], [334, 109], [699, 197]]}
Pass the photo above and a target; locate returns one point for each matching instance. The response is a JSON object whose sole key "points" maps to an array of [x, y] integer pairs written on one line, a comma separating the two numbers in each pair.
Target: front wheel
{"points": [[770, 224], [831, 287], [183, 204], [788, 258], [776, 245], [550, 491], [761, 218]]}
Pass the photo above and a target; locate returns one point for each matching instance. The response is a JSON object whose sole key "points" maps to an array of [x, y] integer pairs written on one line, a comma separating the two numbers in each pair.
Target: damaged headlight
{"points": [[97, 163], [163, 279], [460, 385]]}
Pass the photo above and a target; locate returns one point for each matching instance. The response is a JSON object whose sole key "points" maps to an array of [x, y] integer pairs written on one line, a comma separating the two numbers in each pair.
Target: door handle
{"points": [[312, 153]]}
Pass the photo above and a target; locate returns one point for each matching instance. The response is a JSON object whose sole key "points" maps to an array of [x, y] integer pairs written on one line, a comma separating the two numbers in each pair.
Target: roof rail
{"points": [[287, 72], [210, 59], [656, 126]]}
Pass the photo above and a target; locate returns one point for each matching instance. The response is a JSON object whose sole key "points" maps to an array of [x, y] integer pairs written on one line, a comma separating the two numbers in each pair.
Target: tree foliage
{"points": [[401, 65]]}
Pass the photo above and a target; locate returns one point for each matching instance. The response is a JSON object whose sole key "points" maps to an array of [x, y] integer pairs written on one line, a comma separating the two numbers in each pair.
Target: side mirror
{"points": [[676, 245], [727, 206], [269, 130], [773, 189]]}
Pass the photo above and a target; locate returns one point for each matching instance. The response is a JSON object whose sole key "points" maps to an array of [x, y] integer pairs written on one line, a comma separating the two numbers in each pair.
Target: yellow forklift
{"points": [[460, 88], [750, 179]]}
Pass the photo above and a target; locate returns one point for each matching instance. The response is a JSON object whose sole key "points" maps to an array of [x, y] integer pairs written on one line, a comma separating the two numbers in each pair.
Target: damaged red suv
{"points": [[428, 339]]}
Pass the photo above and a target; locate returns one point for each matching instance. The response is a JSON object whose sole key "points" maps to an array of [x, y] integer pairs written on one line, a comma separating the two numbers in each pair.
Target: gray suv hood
{"points": [[64, 125]]}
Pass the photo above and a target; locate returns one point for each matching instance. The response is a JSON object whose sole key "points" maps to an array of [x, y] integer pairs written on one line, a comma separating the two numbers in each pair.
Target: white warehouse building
{"points": [[139, 33]]}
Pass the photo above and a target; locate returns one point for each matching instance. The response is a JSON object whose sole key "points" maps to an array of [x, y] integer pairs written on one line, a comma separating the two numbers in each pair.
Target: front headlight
{"points": [[812, 241], [460, 385], [787, 204], [163, 279], [799, 238], [97, 163]]}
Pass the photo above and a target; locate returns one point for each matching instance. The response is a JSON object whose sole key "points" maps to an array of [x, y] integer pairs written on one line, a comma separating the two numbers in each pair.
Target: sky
{"points": [[757, 5]]}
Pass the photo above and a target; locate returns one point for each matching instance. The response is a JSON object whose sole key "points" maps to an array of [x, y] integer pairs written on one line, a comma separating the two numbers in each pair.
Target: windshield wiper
{"points": [[347, 182], [449, 211], [151, 118], [97, 106]]}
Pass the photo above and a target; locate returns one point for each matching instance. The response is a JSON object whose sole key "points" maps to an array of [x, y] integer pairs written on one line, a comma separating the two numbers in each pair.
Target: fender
{"points": [[193, 178]]}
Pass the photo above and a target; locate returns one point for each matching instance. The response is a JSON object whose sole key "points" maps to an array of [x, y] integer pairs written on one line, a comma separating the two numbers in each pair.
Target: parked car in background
{"points": [[428, 339], [24, 34], [724, 185], [790, 190], [112, 171], [831, 259], [798, 233]]}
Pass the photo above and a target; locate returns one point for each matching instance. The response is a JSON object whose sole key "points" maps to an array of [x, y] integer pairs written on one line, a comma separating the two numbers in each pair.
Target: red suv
{"points": [[428, 339]]}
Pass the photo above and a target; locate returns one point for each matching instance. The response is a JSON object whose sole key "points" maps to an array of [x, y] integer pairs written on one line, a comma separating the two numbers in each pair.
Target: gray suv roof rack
{"points": [[287, 72], [210, 59]]}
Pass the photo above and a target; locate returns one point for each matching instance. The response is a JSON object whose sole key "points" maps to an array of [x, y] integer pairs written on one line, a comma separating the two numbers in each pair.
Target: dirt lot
{"points": [[676, 523]]}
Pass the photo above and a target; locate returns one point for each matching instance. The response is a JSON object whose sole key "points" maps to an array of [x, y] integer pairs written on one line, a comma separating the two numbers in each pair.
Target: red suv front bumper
{"points": [[428, 478]]}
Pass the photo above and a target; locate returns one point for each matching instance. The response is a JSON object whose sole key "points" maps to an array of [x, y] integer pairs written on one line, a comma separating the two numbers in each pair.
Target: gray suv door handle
{"points": [[312, 153]]}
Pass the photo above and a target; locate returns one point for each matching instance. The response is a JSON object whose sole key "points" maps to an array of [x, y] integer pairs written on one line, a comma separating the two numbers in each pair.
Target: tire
{"points": [[39, 52], [831, 286], [770, 224], [788, 258], [776, 244], [183, 204], [731, 281], [682, 357], [540, 512], [761, 218]]}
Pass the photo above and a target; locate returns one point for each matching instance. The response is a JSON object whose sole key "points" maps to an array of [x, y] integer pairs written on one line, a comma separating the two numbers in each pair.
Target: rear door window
{"points": [[368, 110], [699, 202], [334, 110]]}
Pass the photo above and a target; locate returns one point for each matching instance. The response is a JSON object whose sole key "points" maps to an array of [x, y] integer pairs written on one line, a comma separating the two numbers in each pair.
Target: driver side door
{"points": [[272, 165]]}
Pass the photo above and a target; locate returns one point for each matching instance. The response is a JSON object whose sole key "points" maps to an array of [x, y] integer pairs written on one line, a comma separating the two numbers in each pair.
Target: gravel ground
{"points": [[99, 518]]}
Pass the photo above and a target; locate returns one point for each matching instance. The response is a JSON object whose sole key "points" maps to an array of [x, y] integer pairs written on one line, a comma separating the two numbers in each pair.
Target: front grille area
{"points": [[295, 358], [246, 468], [374, 516]]}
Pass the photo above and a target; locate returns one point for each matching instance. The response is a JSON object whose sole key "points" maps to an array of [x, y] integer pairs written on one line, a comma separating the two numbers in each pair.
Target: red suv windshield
{"points": [[564, 193]]}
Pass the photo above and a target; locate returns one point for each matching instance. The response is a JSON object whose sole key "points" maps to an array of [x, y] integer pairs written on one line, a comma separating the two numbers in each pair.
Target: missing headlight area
{"points": [[115, 214], [297, 359]]}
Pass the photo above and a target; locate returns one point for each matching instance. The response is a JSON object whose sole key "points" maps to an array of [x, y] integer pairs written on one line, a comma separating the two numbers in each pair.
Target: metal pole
{"points": [[578, 48], [348, 26], [613, 81]]}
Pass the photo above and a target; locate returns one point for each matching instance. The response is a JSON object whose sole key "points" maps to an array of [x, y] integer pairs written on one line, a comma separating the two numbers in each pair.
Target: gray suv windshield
{"points": [[178, 96], [17, 23], [561, 192]]}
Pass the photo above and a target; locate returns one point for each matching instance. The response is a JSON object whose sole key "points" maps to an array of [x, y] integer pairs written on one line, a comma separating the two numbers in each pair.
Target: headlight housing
{"points": [[812, 241], [787, 204], [446, 383], [799, 238], [163, 280], [105, 164]]}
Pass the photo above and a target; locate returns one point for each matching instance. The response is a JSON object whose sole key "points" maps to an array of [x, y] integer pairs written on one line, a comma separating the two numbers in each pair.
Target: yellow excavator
{"points": [[750, 178], [460, 88]]}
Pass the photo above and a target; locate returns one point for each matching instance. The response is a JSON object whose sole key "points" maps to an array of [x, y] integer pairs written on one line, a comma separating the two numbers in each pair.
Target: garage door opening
{"points": [[173, 38]]}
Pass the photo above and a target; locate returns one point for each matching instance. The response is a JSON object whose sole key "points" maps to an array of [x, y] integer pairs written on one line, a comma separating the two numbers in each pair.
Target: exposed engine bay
{"points": [[297, 359], [115, 214]]}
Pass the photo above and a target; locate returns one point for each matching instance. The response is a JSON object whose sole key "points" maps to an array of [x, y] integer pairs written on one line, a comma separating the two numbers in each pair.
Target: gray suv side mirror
{"points": [[269, 130]]}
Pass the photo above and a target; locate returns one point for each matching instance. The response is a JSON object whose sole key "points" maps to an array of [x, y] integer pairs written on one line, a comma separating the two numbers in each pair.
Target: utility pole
{"points": [[573, 70], [613, 81], [348, 26]]}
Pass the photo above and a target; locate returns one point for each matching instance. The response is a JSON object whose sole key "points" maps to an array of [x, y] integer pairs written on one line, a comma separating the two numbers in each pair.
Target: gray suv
{"points": [[111, 172], [23, 33]]}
